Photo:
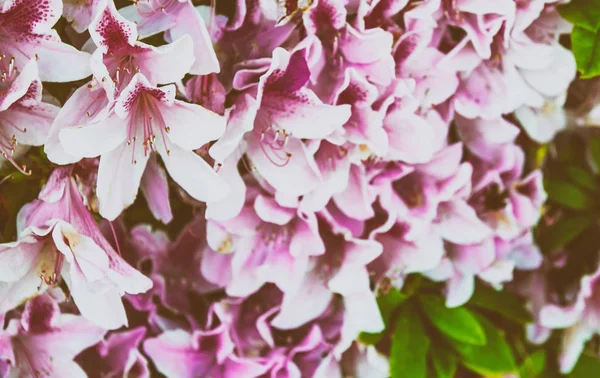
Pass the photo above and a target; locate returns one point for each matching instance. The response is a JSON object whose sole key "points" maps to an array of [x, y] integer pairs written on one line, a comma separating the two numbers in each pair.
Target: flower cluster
{"points": [[329, 148]]}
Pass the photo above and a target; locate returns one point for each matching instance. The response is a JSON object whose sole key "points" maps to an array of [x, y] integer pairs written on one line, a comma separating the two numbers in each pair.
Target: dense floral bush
{"points": [[310, 188]]}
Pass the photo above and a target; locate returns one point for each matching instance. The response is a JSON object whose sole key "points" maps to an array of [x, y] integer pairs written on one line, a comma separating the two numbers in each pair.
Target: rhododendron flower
{"points": [[24, 119], [177, 18], [59, 239], [121, 355], [28, 34], [208, 353], [175, 264], [147, 119], [281, 112], [266, 242], [44, 342], [81, 12], [120, 56], [341, 270], [44, 255]]}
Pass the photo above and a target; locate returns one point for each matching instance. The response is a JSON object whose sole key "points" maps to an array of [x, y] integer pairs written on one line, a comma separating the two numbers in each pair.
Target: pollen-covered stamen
{"points": [[8, 72], [51, 263], [273, 142], [8, 144], [152, 124], [121, 66]]}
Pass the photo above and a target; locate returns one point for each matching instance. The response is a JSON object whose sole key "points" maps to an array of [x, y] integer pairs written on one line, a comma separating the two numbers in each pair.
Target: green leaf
{"points": [[387, 304], [533, 365], [569, 195], [565, 230], [586, 367], [408, 357], [583, 13], [457, 323], [584, 178], [444, 362], [491, 359], [501, 302], [585, 45], [370, 338]]}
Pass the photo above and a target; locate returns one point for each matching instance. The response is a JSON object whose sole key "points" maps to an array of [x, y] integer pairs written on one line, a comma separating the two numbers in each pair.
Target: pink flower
{"points": [[28, 34], [120, 354], [335, 46], [176, 18], [45, 342], [177, 353], [59, 239], [120, 56], [175, 265], [273, 119], [24, 118], [340, 270], [146, 119], [117, 59], [266, 242], [81, 12]]}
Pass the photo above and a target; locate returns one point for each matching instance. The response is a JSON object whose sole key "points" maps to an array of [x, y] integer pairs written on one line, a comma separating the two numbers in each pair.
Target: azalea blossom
{"points": [[28, 34], [148, 119], [45, 342], [24, 118]]}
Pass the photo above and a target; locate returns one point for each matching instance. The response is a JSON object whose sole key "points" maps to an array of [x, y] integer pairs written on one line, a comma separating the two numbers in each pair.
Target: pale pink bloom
{"points": [[117, 59], [176, 18], [81, 12], [44, 255], [481, 20], [273, 114], [24, 118], [45, 342], [146, 119], [334, 46], [210, 353], [340, 270], [121, 355], [28, 34], [175, 265], [416, 59], [266, 242], [59, 238], [120, 56]]}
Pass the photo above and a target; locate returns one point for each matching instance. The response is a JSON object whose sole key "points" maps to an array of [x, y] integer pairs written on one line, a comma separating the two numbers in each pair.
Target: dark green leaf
{"points": [[533, 365], [565, 230], [500, 302], [585, 45], [457, 323], [587, 367], [444, 362], [491, 359], [583, 13], [584, 178], [408, 357], [569, 195]]}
